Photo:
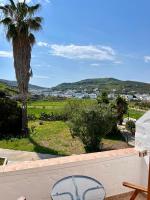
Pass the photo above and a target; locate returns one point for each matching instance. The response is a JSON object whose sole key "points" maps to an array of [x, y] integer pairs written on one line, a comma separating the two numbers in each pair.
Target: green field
{"points": [[38, 107], [136, 114]]}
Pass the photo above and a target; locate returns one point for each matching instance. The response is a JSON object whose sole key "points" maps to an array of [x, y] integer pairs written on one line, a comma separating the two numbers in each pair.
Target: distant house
{"points": [[93, 96]]}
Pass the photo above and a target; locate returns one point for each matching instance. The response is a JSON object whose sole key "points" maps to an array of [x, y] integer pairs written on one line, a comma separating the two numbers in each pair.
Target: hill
{"points": [[107, 84], [14, 84], [10, 87], [10, 91]]}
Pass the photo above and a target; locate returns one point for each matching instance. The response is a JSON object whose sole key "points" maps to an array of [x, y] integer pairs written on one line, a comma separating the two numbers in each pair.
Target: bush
{"points": [[122, 108], [31, 117], [130, 126], [90, 125], [53, 117], [10, 118]]}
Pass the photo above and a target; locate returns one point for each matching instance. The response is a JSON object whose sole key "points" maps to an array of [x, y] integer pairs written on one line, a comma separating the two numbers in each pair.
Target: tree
{"points": [[90, 125], [19, 21], [10, 118], [122, 108], [103, 98]]}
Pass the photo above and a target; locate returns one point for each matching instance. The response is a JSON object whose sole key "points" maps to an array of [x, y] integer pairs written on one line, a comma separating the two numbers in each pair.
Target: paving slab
{"points": [[15, 156]]}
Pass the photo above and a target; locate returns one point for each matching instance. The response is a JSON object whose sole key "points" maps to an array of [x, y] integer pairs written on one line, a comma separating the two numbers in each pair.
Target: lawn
{"points": [[55, 138], [136, 114], [51, 137]]}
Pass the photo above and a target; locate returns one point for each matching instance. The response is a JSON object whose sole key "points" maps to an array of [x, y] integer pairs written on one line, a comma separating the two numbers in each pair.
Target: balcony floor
{"points": [[127, 196]]}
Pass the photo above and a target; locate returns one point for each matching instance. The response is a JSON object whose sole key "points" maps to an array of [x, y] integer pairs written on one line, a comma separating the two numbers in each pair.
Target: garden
{"points": [[56, 127]]}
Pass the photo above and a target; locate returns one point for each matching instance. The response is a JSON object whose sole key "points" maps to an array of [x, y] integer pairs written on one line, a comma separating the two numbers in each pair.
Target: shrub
{"points": [[90, 125], [103, 98], [130, 126], [10, 118], [122, 108], [53, 117], [31, 117]]}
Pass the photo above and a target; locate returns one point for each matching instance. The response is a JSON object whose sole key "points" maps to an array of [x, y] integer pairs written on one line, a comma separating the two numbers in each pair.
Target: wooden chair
{"points": [[139, 189]]}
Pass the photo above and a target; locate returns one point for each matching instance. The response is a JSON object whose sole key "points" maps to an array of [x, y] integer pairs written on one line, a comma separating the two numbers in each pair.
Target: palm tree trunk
{"points": [[24, 117], [22, 58]]}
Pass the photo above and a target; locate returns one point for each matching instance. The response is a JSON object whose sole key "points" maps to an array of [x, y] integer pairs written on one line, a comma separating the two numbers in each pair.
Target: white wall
{"points": [[110, 170]]}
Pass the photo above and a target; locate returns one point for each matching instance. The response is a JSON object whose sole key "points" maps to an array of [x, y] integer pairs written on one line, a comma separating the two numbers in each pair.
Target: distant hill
{"points": [[14, 84], [10, 87], [107, 84], [100, 84], [10, 91]]}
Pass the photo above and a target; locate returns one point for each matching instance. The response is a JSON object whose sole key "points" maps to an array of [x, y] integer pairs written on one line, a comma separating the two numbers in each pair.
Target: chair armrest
{"points": [[136, 187]]}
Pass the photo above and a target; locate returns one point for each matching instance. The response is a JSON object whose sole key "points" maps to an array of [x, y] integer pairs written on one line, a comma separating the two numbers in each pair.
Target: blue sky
{"points": [[84, 39]]}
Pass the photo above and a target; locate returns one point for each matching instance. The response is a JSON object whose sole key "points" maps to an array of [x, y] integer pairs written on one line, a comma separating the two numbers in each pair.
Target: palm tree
{"points": [[19, 21]]}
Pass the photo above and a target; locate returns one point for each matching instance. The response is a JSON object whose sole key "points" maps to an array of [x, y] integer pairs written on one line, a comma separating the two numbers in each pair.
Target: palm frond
{"points": [[11, 32], [31, 39], [31, 72], [33, 9], [34, 24], [22, 10], [4, 10], [12, 4], [6, 21]]}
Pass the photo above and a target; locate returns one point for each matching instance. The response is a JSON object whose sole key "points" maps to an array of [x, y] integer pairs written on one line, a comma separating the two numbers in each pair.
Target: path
{"points": [[14, 156]]}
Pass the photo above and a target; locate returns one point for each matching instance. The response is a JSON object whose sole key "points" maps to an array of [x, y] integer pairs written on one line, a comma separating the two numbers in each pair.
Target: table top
{"points": [[78, 187]]}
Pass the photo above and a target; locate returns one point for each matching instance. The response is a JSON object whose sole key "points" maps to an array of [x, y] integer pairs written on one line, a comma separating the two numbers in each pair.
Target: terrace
{"points": [[34, 179]]}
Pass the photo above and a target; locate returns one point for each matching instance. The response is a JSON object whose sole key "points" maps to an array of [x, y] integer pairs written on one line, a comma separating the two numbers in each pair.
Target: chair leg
{"points": [[134, 195]]}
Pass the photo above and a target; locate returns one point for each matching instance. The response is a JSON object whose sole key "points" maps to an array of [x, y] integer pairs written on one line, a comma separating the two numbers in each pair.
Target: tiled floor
{"points": [[127, 197]]}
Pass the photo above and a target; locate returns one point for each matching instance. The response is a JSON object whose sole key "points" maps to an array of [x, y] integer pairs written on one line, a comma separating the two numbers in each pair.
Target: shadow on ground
{"points": [[38, 148]]}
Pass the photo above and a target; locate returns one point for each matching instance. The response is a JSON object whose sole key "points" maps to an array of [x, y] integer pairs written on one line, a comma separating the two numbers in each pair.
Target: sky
{"points": [[83, 39]]}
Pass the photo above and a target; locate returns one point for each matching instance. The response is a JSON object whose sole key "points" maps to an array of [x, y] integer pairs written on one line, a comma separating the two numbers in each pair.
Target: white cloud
{"points": [[117, 62], [43, 44], [6, 54], [95, 64], [147, 59], [88, 52]]}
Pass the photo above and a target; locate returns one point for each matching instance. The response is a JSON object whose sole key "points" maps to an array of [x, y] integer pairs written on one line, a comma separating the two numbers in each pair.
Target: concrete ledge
{"points": [[68, 159], [110, 168]]}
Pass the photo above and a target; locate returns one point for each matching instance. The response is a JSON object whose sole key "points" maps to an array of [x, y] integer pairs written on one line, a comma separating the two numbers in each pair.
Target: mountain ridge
{"points": [[14, 84], [107, 84]]}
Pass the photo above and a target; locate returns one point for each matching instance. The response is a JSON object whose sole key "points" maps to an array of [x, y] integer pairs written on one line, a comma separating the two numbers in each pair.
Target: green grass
{"points": [[37, 107], [135, 114], [48, 103], [54, 138], [51, 137]]}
